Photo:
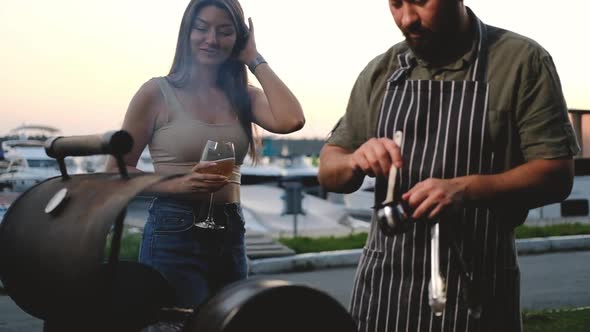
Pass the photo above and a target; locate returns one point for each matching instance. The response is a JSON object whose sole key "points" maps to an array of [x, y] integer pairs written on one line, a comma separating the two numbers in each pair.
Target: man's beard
{"points": [[429, 46]]}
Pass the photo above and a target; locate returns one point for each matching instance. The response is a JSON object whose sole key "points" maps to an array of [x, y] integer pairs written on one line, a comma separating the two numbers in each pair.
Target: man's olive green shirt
{"points": [[527, 115]]}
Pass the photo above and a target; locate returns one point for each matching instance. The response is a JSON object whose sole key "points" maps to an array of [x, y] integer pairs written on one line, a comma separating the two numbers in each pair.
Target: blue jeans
{"points": [[196, 262]]}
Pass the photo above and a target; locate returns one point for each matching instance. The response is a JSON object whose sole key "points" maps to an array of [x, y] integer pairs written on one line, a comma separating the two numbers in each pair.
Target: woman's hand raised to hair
{"points": [[249, 53], [274, 107]]}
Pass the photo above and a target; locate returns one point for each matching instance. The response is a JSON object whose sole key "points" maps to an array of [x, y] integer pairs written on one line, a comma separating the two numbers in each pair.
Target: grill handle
{"points": [[112, 142], [116, 143]]}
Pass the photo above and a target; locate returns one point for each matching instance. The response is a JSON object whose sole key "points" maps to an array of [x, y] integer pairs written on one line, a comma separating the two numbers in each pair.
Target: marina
{"points": [[269, 216], [263, 192], [24, 163]]}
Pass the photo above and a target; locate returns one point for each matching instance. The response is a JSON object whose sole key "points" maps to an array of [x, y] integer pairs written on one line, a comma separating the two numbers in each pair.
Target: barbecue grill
{"points": [[55, 266]]}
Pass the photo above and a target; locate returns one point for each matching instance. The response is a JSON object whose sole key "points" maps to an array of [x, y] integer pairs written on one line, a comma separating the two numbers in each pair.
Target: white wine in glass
{"points": [[224, 157]]}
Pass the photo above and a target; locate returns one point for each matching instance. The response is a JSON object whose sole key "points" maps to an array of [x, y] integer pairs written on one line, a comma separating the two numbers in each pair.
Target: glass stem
{"points": [[210, 206]]}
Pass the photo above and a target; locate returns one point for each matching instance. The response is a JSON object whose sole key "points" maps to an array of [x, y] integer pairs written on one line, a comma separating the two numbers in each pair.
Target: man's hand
{"points": [[375, 157], [432, 197]]}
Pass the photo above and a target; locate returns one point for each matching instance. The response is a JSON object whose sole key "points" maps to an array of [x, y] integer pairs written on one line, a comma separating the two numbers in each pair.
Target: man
{"points": [[486, 137]]}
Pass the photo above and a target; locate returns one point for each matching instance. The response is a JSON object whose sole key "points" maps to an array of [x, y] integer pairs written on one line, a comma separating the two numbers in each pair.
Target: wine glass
{"points": [[223, 155]]}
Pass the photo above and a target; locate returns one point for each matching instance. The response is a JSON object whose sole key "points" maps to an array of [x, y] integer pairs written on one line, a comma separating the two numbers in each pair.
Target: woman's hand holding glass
{"points": [[218, 159], [201, 180], [196, 181]]}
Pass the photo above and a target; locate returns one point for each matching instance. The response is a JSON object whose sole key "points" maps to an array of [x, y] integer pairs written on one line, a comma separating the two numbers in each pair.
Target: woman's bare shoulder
{"points": [[148, 98], [150, 90]]}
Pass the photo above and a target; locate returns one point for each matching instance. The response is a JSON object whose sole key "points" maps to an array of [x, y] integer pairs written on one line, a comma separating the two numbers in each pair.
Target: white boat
{"points": [[27, 164], [23, 161], [97, 163]]}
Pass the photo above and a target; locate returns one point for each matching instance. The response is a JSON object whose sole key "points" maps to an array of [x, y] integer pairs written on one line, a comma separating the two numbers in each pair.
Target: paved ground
{"points": [[263, 207], [549, 281], [12, 319], [557, 280], [553, 280]]}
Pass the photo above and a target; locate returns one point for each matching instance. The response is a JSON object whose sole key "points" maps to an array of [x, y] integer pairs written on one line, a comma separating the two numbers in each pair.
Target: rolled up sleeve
{"points": [[544, 126]]}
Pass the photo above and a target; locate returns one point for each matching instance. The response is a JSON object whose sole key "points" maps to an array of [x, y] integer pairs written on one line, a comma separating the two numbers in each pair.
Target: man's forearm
{"points": [[533, 184], [335, 174]]}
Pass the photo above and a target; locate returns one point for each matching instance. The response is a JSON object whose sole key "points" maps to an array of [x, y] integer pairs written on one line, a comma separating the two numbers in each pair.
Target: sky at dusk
{"points": [[75, 64]]}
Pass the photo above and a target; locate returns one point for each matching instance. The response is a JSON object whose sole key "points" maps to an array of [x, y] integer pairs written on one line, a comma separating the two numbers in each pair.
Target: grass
{"points": [[306, 244], [129, 246], [525, 232], [576, 320], [131, 241]]}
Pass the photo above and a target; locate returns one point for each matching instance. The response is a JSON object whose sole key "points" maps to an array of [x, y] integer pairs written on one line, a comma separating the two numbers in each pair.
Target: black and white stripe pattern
{"points": [[444, 125]]}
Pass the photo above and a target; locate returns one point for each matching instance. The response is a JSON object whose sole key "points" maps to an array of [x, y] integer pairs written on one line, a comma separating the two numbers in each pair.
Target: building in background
{"points": [[581, 123]]}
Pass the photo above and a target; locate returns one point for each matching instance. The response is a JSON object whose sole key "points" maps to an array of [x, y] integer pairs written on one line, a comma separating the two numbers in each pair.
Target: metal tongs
{"points": [[437, 289], [394, 218], [437, 294]]}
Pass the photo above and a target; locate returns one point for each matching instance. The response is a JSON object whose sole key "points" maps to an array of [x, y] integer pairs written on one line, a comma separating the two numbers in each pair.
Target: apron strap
{"points": [[406, 61], [481, 61]]}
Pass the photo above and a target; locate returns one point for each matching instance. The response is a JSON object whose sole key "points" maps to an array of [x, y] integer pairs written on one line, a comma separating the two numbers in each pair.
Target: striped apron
{"points": [[445, 136]]}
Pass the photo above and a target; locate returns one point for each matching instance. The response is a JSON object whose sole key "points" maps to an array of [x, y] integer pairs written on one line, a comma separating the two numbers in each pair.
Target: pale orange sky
{"points": [[75, 64]]}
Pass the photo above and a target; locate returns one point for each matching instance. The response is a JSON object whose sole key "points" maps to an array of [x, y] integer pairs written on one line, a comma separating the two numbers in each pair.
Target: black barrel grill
{"points": [[53, 262]]}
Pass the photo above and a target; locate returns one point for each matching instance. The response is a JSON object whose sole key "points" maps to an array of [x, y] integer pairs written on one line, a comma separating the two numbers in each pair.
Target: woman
{"points": [[204, 97]]}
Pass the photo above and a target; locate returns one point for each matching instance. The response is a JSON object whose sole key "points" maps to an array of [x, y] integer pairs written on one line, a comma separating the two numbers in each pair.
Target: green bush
{"points": [[306, 244], [129, 247], [525, 232], [131, 241], [577, 320]]}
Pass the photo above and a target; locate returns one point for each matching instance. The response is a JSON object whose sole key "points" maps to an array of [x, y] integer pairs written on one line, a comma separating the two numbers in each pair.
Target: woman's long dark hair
{"points": [[232, 77]]}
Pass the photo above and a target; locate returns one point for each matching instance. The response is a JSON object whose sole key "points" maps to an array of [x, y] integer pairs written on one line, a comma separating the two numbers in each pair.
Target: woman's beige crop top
{"points": [[177, 145]]}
